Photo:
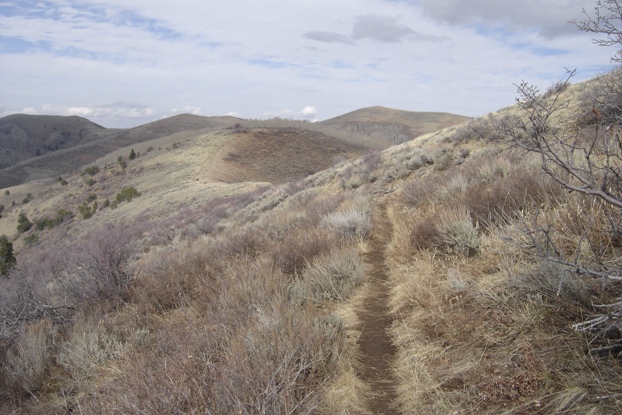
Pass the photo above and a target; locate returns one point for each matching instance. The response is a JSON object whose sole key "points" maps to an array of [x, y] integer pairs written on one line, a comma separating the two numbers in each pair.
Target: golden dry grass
{"points": [[485, 333]]}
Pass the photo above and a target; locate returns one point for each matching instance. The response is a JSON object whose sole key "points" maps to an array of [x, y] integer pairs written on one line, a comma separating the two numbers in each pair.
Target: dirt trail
{"points": [[375, 345]]}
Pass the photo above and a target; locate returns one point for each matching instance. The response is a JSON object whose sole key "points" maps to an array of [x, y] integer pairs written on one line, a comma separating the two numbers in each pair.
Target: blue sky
{"points": [[122, 63]]}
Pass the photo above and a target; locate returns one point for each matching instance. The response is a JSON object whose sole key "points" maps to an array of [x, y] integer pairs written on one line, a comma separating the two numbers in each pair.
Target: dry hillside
{"points": [[37, 147], [278, 155], [397, 126], [446, 275], [26, 136]]}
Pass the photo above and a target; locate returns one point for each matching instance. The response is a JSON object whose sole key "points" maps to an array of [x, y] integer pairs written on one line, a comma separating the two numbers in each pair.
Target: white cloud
{"points": [[146, 57], [124, 113], [81, 111], [30, 110], [308, 113], [187, 110]]}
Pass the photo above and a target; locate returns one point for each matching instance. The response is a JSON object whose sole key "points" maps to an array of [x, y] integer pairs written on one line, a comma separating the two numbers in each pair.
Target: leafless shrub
{"points": [[299, 247], [256, 354], [554, 281], [605, 22], [424, 232], [170, 279], [370, 162], [423, 190], [289, 360], [100, 267], [273, 365], [24, 300], [589, 165], [506, 196], [246, 240]]}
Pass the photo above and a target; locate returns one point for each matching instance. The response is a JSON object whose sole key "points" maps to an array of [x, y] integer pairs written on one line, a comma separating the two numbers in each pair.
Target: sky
{"points": [[122, 63]]}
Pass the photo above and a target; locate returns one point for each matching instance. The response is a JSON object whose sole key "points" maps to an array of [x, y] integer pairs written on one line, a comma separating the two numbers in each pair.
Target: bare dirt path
{"points": [[375, 345]]}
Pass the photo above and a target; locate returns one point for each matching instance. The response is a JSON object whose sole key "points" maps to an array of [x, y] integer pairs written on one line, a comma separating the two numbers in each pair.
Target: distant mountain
{"points": [[26, 136], [42, 146], [172, 125], [395, 125]]}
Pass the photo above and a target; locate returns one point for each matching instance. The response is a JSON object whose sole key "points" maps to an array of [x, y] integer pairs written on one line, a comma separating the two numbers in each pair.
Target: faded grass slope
{"points": [[250, 297]]}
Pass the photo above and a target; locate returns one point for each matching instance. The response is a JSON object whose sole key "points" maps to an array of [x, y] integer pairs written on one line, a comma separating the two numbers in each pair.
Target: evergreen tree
{"points": [[23, 224], [122, 162], [132, 155], [7, 259]]}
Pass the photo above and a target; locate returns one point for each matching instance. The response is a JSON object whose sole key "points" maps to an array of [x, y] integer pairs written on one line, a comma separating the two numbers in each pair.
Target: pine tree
{"points": [[7, 259], [23, 224], [132, 155]]}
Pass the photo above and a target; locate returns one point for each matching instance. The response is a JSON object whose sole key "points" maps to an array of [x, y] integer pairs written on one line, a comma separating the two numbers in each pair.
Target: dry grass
{"points": [[491, 333], [328, 278], [278, 155], [392, 126], [28, 362], [245, 346], [245, 298], [89, 347], [254, 352]]}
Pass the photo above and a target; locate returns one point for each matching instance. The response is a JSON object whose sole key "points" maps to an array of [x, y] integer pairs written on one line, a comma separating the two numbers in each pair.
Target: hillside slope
{"points": [[278, 155], [26, 136], [39, 147], [398, 126], [454, 250]]}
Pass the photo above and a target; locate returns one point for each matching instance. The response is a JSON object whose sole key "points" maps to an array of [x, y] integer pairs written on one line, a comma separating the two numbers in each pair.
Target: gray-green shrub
{"points": [[127, 194]]}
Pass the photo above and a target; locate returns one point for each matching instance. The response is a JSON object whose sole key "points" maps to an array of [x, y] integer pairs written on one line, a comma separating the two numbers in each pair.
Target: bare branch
{"points": [[606, 20]]}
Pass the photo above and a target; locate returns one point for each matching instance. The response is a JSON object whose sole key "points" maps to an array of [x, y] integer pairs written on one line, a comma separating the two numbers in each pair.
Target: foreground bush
{"points": [[29, 359]]}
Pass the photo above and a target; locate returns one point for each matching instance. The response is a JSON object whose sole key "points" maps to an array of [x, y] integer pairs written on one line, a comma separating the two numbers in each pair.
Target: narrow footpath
{"points": [[376, 347]]}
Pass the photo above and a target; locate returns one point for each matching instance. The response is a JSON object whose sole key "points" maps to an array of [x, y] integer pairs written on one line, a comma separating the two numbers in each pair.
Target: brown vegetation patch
{"points": [[278, 155]]}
